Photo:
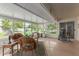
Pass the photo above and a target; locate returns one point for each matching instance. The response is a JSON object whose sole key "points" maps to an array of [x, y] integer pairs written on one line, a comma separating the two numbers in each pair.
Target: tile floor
{"points": [[54, 47]]}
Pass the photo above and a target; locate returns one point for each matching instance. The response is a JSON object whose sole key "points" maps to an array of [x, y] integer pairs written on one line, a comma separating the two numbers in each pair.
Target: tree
{"points": [[6, 24], [51, 26], [18, 24], [34, 27]]}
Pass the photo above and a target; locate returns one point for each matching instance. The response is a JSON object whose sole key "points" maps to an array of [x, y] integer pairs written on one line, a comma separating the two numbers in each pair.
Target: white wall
{"points": [[77, 28]]}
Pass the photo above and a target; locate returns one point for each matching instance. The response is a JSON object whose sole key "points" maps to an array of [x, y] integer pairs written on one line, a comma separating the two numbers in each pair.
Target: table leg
{"points": [[3, 51], [37, 43]]}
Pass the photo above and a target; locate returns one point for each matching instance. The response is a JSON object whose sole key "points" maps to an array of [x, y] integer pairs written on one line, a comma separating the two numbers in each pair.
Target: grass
{"points": [[28, 33], [53, 34], [2, 34]]}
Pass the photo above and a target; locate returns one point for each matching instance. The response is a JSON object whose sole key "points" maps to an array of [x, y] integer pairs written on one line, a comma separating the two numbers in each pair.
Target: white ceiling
{"points": [[38, 9], [11, 10], [20, 11]]}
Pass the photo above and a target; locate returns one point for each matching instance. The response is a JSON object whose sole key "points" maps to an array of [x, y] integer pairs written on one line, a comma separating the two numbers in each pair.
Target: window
{"points": [[5, 27], [52, 29], [18, 26]]}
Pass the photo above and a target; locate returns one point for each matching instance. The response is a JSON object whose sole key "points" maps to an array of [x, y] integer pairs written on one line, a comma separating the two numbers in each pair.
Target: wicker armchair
{"points": [[26, 44]]}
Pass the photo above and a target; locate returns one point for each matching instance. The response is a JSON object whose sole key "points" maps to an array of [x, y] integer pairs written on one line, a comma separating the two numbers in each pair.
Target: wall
{"points": [[77, 28]]}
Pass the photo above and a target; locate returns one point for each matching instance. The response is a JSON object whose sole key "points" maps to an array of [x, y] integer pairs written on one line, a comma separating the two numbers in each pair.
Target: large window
{"points": [[52, 29], [31, 27], [10, 26]]}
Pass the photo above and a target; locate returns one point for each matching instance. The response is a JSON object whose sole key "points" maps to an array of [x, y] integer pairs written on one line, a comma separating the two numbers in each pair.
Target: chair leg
{"points": [[17, 48], [12, 50], [33, 52], [21, 51]]}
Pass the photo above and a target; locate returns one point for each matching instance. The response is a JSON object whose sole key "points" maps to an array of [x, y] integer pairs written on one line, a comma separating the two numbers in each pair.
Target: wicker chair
{"points": [[35, 36], [26, 44]]}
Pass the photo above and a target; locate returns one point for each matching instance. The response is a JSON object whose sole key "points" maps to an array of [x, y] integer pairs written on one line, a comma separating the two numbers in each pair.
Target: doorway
{"points": [[68, 28]]}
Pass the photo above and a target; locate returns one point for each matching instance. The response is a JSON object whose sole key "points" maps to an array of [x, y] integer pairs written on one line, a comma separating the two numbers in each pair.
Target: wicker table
{"points": [[11, 46]]}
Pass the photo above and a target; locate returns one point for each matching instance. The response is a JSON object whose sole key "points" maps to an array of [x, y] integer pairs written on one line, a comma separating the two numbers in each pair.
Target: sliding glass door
{"points": [[69, 29]]}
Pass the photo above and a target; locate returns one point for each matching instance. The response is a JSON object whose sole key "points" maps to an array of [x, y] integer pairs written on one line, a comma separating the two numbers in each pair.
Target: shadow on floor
{"points": [[40, 50]]}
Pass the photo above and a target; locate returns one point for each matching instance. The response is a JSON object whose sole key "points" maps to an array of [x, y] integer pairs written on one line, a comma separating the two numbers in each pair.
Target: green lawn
{"points": [[2, 34], [28, 33], [53, 34]]}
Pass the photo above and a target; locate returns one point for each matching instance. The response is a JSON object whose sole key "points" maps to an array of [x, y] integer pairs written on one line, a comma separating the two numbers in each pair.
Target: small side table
{"points": [[11, 46]]}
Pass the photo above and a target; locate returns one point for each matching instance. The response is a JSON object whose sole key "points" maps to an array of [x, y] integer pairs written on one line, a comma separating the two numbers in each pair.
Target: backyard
{"points": [[8, 26]]}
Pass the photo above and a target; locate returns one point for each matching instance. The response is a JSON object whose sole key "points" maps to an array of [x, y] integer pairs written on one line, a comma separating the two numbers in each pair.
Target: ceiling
{"points": [[64, 10], [47, 11], [26, 11], [37, 9]]}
